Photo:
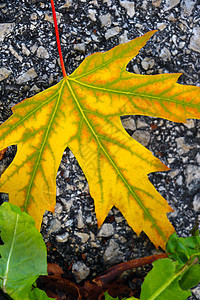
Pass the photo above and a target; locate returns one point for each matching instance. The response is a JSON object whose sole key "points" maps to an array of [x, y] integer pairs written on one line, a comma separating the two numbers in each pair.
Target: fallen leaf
{"points": [[83, 112], [52, 283], [55, 269], [117, 270]]}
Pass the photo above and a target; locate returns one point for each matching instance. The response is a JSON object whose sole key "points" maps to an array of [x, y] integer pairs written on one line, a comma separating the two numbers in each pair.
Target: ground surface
{"points": [[29, 64]]}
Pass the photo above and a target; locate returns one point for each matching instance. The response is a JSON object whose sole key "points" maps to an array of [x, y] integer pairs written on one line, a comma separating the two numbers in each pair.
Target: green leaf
{"points": [[162, 282], [181, 249], [23, 255], [191, 277], [108, 297], [38, 294], [195, 230]]}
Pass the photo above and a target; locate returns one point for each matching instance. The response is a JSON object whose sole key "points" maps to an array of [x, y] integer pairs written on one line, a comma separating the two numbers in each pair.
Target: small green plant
{"points": [[23, 254]]}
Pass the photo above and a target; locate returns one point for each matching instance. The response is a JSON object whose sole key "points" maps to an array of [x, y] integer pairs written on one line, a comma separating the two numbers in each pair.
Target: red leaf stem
{"points": [[58, 39]]}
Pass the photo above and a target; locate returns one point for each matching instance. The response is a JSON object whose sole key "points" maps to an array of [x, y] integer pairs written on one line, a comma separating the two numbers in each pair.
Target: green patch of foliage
{"points": [[23, 254]]}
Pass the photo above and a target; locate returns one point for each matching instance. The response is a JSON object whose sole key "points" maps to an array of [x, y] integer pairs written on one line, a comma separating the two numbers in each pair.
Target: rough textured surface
{"points": [[29, 64]]}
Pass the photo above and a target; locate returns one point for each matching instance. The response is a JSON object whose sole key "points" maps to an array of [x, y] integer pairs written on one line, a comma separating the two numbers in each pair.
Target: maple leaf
{"points": [[83, 112]]}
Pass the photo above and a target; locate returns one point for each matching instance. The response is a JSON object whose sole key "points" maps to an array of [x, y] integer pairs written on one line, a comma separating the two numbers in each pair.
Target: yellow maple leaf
{"points": [[83, 112]]}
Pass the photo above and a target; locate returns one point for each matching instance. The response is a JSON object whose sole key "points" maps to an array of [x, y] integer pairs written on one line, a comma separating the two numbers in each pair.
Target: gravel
{"points": [[29, 64]]}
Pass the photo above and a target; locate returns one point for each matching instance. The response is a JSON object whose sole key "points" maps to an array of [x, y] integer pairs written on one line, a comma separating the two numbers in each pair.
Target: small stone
{"points": [[49, 18], [5, 29], [169, 4], [195, 40], [94, 38], [112, 32], [189, 124], [83, 236], [196, 202], [33, 17], [170, 160], [80, 185], [92, 237], [182, 147], [67, 204], [171, 17], [173, 173], [58, 209], [192, 174], [35, 89], [25, 50], [71, 155], [34, 48], [80, 270], [181, 45], [187, 7], [106, 230], [174, 53], [122, 240], [27, 76], [62, 238], [136, 69], [42, 53], [95, 245], [123, 38], [112, 254], [140, 124], [147, 63], [95, 2], [174, 39], [80, 47], [156, 3], [55, 225], [144, 4], [51, 79], [142, 137], [69, 187], [165, 54], [119, 219], [57, 191], [92, 14], [67, 4], [198, 158], [80, 219], [129, 123], [69, 223], [32, 27], [129, 6], [4, 73], [161, 26], [15, 54], [105, 20], [179, 180]]}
